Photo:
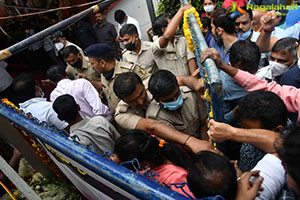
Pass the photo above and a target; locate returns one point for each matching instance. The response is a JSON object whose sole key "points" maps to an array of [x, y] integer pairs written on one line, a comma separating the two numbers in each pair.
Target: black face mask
{"points": [[77, 64], [131, 46], [108, 75]]}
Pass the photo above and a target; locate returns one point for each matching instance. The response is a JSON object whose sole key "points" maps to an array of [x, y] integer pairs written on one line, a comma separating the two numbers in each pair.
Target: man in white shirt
{"points": [[122, 19], [82, 90], [30, 94], [282, 58]]}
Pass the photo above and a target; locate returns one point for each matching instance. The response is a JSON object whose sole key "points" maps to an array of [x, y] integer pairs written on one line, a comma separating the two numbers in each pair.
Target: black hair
{"points": [[206, 22], [56, 72], [212, 174], [264, 106], [162, 83], [66, 107], [245, 54], [286, 44], [160, 22], [101, 11], [222, 20], [57, 36], [68, 50], [119, 16], [125, 84], [249, 11], [288, 153], [129, 29], [24, 87], [140, 145]]}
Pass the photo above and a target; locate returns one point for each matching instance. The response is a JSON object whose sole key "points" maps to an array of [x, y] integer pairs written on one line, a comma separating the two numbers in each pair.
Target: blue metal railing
{"points": [[122, 177], [215, 83]]}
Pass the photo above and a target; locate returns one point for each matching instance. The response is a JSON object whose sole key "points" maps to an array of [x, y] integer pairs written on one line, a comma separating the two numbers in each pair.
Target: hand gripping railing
{"points": [[122, 177], [209, 73]]}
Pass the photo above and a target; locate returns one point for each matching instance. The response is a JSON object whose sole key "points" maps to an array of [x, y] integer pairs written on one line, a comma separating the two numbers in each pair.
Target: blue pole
{"points": [[131, 182], [215, 83]]}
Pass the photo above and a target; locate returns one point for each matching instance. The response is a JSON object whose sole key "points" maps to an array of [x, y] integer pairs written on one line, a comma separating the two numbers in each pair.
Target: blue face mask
{"points": [[174, 105], [245, 35]]}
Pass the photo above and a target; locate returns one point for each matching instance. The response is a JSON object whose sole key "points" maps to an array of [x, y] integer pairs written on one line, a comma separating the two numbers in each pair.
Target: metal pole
{"points": [[133, 183], [215, 83]]}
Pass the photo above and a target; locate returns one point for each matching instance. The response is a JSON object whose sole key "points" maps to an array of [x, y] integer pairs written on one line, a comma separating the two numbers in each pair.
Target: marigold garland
{"points": [[186, 29]]}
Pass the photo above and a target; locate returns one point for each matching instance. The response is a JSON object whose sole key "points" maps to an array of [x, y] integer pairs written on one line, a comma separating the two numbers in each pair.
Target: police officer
{"points": [[170, 51], [137, 52], [178, 107], [103, 62]]}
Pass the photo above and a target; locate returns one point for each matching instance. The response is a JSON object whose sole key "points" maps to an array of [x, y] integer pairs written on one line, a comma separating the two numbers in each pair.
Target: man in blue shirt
{"points": [[223, 30]]}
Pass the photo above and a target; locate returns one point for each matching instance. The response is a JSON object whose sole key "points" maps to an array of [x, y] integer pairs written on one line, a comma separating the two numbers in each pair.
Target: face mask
{"points": [[245, 35], [123, 24], [208, 9], [59, 46], [131, 46], [108, 75], [77, 64], [174, 105], [278, 68]]}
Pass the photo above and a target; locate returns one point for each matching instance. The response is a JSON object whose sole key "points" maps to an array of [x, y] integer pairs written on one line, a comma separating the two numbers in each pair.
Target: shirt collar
{"points": [[85, 62]]}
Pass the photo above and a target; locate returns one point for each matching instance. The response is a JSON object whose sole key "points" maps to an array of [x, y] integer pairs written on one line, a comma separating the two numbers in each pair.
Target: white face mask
{"points": [[59, 46], [209, 8], [278, 68]]}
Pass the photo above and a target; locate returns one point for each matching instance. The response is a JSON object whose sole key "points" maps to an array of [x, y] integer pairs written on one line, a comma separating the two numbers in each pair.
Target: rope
{"points": [[51, 10]]}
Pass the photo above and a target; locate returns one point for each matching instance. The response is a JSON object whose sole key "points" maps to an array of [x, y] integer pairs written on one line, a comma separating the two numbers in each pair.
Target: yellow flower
{"points": [[185, 26]]}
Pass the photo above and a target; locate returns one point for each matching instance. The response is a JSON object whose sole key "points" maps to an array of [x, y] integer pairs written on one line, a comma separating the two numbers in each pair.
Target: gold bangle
{"points": [[187, 139]]}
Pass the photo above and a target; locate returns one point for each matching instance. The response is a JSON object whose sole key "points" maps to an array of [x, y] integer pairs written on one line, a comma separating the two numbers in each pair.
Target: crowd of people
{"points": [[145, 101]]}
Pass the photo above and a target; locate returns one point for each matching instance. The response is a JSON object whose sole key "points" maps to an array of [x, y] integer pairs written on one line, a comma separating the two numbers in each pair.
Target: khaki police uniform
{"points": [[187, 119], [173, 58], [128, 117], [144, 59], [107, 85], [85, 69]]}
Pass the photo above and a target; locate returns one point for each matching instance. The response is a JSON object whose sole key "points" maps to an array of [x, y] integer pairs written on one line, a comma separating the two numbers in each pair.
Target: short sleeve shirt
{"points": [[144, 59], [186, 119], [106, 34], [86, 69], [174, 57], [128, 117], [96, 133], [107, 85]]}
